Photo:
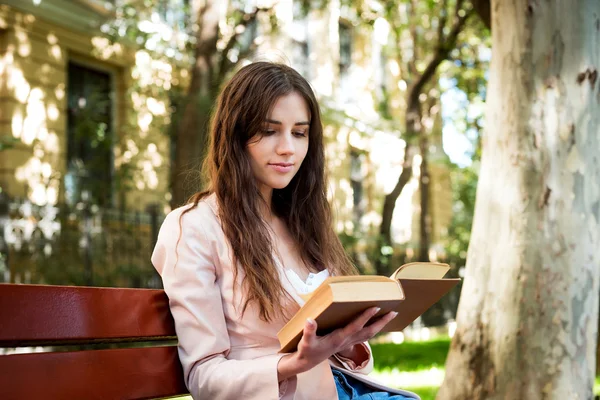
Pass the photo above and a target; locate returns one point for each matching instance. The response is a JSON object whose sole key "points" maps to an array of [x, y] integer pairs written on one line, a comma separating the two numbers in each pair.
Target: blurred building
{"points": [[81, 116], [74, 111], [83, 147]]}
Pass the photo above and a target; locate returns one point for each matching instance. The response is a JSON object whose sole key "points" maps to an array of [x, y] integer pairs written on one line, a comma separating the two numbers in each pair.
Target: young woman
{"points": [[234, 261]]}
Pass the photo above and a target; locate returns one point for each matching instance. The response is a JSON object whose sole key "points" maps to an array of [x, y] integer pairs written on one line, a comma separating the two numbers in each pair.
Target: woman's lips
{"points": [[282, 167]]}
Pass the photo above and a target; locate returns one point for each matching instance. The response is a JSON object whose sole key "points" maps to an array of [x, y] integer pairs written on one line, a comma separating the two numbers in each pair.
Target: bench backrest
{"points": [[40, 315]]}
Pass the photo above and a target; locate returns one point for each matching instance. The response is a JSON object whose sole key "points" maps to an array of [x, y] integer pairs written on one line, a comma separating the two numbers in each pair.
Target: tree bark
{"points": [[528, 316]]}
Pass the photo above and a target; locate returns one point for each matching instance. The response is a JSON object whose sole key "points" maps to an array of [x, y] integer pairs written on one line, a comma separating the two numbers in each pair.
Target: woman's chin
{"points": [[280, 184]]}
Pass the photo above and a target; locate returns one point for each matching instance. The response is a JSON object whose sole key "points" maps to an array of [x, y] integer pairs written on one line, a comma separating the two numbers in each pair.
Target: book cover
{"points": [[411, 290]]}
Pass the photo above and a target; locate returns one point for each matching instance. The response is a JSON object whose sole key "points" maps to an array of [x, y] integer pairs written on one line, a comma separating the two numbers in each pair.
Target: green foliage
{"points": [[7, 142], [464, 187], [411, 356]]}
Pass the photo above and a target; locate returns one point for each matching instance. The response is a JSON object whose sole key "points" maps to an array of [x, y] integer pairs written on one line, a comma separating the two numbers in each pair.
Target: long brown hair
{"points": [[241, 110]]}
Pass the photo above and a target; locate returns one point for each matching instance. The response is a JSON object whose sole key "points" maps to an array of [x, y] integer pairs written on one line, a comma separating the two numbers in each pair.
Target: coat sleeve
{"points": [[364, 365], [182, 257]]}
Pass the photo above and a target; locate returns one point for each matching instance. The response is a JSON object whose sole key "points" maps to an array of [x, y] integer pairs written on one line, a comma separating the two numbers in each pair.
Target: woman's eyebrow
{"points": [[272, 121]]}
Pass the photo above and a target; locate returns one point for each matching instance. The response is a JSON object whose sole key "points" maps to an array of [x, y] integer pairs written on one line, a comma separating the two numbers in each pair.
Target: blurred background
{"points": [[103, 114], [104, 106]]}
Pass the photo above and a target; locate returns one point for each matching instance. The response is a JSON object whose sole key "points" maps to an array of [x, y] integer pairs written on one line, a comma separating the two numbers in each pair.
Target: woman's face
{"points": [[277, 153]]}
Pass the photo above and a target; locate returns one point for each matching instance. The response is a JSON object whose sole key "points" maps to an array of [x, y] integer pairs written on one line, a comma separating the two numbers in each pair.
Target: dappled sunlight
{"points": [[38, 176], [394, 68], [149, 71], [32, 113], [151, 159], [104, 49], [131, 151], [156, 107], [23, 43], [357, 140], [144, 119], [381, 31], [59, 91], [35, 117], [52, 111], [54, 50], [16, 81], [346, 188], [323, 82]]}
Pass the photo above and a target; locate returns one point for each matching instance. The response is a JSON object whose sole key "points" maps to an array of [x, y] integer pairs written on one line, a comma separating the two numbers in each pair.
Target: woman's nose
{"points": [[285, 144]]}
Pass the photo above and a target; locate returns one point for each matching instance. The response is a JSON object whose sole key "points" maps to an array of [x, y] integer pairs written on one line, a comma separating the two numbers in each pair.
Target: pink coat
{"points": [[225, 356]]}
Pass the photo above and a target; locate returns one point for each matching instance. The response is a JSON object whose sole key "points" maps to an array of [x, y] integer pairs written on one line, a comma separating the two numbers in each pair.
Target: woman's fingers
{"points": [[310, 330], [359, 322], [382, 322], [354, 329], [313, 347], [360, 332]]}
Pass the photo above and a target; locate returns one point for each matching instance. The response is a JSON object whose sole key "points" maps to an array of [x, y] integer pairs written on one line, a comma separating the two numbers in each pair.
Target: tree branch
{"points": [[442, 21], [484, 11], [440, 55], [412, 64]]}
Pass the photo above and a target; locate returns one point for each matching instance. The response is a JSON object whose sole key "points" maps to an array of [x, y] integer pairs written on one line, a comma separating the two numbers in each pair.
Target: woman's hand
{"points": [[313, 349]]}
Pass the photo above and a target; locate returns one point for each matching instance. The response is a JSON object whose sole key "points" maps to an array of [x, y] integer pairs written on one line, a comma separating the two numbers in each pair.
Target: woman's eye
{"points": [[268, 132], [300, 133]]}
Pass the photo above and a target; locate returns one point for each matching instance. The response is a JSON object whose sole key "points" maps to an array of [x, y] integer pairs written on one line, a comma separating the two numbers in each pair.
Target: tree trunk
{"points": [[424, 213], [192, 131], [389, 204], [528, 315], [191, 142]]}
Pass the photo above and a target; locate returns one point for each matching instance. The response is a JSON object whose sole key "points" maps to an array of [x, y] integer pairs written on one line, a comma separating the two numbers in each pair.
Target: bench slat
{"points": [[139, 373], [46, 315]]}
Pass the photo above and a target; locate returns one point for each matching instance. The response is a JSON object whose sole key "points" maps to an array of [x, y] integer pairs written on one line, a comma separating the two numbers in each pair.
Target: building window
{"points": [[345, 32], [89, 135]]}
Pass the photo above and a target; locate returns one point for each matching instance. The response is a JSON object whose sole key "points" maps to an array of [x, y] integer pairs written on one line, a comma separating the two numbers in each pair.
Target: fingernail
{"points": [[377, 309], [310, 321], [394, 313]]}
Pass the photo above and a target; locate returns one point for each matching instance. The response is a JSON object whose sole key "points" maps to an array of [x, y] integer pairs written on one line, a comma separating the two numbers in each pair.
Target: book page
{"points": [[345, 278], [421, 270]]}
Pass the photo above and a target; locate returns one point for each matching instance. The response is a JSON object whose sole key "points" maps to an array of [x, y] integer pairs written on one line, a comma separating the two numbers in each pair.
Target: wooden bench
{"points": [[65, 316]]}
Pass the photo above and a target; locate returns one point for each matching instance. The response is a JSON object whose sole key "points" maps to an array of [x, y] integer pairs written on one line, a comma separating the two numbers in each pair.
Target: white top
{"points": [[313, 281]]}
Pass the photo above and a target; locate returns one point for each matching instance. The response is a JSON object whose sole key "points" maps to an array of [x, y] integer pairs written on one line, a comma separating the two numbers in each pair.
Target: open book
{"points": [[411, 290]]}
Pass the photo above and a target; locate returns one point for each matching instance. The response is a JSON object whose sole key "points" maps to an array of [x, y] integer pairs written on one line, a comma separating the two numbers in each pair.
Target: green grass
{"points": [[426, 392], [414, 366], [411, 356]]}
